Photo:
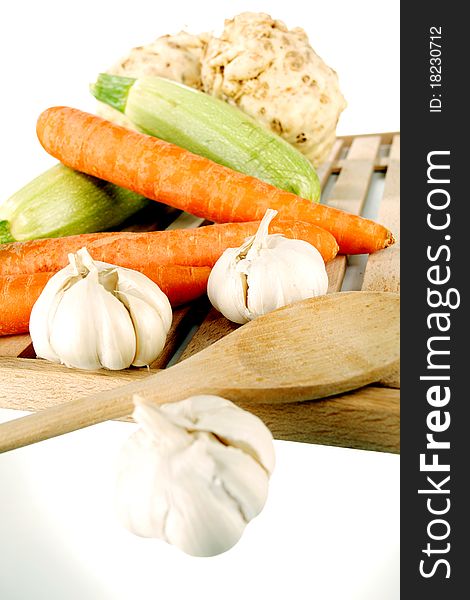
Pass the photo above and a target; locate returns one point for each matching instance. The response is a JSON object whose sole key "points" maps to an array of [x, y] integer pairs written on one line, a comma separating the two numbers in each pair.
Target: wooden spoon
{"points": [[308, 350]]}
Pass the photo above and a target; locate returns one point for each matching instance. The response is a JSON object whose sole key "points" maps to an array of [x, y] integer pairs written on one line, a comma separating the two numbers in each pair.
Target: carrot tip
{"points": [[389, 240]]}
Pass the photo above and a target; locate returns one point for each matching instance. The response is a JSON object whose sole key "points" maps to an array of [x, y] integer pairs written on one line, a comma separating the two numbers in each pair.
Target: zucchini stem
{"points": [[112, 90], [5, 234]]}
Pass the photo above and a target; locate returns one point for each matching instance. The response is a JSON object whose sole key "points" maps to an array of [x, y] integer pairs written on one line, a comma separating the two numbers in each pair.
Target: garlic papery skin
{"points": [[194, 474], [94, 315], [265, 273]]}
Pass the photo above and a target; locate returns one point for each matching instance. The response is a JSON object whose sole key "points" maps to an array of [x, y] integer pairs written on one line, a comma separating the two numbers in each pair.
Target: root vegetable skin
{"points": [[273, 74], [165, 172], [199, 247], [18, 293]]}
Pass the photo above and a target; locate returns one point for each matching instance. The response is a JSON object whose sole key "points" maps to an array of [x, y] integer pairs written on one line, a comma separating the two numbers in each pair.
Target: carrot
{"points": [[191, 247], [181, 284], [167, 173], [18, 293]]}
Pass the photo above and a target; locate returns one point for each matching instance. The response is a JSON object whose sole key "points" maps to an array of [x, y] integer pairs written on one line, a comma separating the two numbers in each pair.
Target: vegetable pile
{"points": [[168, 173], [94, 298], [107, 171]]}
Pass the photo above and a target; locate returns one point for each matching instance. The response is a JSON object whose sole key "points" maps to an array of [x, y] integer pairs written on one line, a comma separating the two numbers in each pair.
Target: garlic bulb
{"points": [[265, 273], [92, 315], [194, 474]]}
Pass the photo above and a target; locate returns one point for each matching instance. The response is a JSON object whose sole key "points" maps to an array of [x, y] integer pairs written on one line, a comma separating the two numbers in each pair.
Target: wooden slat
{"points": [[53, 383], [383, 268], [368, 418], [14, 345], [324, 170], [350, 190], [380, 164], [386, 137], [336, 270], [364, 148], [395, 148], [186, 221]]}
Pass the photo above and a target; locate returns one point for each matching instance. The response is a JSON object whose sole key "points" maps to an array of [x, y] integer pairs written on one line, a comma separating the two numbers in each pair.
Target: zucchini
{"points": [[63, 202], [209, 127]]}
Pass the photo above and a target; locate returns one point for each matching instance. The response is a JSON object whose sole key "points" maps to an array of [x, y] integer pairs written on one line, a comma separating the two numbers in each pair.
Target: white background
{"points": [[330, 530]]}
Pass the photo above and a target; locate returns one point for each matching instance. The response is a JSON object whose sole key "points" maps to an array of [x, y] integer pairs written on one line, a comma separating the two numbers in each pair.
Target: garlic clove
{"points": [[243, 479], [240, 429], [227, 287], [150, 311], [148, 327], [139, 285], [204, 518], [141, 505], [265, 288], [306, 265], [297, 273], [101, 337], [116, 340], [43, 313], [166, 433]]}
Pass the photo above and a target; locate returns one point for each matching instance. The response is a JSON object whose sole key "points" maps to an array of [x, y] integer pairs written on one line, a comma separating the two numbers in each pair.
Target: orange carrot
{"points": [[18, 293], [174, 176], [181, 284], [191, 247]]}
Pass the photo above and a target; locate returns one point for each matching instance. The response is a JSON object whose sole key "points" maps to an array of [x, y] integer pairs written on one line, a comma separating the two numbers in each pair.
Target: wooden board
{"points": [[367, 418]]}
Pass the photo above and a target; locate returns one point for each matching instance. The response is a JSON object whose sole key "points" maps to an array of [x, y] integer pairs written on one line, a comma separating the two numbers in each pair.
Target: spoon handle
{"points": [[61, 419], [114, 403], [82, 412]]}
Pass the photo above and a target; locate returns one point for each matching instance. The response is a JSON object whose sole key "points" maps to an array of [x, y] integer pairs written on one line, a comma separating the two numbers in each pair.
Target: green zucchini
{"points": [[63, 202], [209, 127]]}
